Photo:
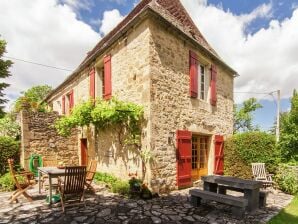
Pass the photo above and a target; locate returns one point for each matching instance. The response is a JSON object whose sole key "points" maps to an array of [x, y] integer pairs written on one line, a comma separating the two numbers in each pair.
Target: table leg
{"points": [[39, 181], [253, 199], [50, 188], [210, 187]]}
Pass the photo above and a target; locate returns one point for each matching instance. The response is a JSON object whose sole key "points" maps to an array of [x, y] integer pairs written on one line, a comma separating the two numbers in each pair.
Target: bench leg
{"points": [[210, 187], [262, 200], [238, 212], [195, 201], [222, 190]]}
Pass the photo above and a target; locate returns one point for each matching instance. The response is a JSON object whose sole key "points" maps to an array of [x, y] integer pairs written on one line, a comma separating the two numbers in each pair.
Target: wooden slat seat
{"points": [[260, 174], [72, 187], [90, 174], [238, 204], [23, 182]]}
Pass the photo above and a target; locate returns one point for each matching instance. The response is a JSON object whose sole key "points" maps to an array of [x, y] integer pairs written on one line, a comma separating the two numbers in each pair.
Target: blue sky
{"points": [[257, 38]]}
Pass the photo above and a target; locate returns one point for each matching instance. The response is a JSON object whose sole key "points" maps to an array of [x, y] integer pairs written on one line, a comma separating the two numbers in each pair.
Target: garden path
{"points": [[106, 207]]}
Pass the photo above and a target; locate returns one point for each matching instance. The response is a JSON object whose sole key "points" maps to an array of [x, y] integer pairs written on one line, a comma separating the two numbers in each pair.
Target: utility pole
{"points": [[278, 115]]}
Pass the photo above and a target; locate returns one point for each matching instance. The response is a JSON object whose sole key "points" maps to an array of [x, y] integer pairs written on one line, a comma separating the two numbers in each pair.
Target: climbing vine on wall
{"points": [[105, 114]]}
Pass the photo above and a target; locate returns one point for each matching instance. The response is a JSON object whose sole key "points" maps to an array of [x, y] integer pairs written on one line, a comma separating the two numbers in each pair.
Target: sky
{"points": [[259, 39]]}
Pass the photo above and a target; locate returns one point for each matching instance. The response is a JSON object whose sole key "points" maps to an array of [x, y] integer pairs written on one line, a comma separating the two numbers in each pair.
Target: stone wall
{"points": [[171, 107], [130, 82], [40, 137]]}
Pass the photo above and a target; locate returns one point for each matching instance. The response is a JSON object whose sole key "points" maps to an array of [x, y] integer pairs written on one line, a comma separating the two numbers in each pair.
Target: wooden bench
{"points": [[238, 204], [222, 189]]}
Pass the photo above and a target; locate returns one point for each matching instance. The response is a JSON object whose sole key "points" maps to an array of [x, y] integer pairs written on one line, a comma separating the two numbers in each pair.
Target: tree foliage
{"points": [[9, 148], [4, 73], [243, 115], [289, 132], [33, 98], [9, 127]]}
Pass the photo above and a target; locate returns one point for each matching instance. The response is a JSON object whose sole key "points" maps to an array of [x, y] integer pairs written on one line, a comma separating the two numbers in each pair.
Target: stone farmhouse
{"points": [[156, 57]]}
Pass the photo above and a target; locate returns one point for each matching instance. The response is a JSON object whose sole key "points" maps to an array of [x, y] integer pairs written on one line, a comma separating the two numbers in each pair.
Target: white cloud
{"points": [[44, 32], [110, 20], [262, 11], [79, 4], [265, 60]]}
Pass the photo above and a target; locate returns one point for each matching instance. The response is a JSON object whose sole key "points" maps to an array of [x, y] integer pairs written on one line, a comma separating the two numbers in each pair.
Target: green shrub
{"points": [[120, 187], [114, 183], [287, 179], [105, 178], [245, 148], [6, 182], [9, 148]]}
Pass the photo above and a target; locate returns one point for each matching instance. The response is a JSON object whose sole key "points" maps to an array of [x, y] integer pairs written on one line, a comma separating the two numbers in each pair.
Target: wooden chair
{"points": [[48, 162], [23, 181], [90, 175], [72, 189], [259, 173]]}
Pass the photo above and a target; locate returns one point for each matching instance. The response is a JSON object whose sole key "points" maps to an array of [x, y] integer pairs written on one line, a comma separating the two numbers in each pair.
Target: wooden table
{"points": [[250, 188], [52, 172]]}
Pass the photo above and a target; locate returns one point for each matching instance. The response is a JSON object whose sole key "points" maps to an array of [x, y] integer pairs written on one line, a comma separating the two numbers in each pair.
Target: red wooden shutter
{"points": [[219, 155], [63, 104], [193, 74], [92, 83], [107, 77], [71, 100], [183, 139], [213, 97]]}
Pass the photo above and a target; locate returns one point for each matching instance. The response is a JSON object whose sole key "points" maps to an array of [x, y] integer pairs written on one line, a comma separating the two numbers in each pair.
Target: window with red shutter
{"points": [[107, 77], [193, 74], [183, 139], [219, 155], [92, 83], [63, 104], [71, 100], [213, 97]]}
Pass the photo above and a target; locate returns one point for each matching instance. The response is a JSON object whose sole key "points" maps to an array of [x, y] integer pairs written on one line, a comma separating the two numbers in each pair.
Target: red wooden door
{"points": [[84, 152], [183, 158], [219, 155]]}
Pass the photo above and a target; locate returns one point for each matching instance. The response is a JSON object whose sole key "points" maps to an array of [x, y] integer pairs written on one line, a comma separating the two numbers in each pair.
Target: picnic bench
{"points": [[238, 204], [215, 188]]}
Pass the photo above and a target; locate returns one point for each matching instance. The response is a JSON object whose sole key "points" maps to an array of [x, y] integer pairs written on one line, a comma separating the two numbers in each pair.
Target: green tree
{"points": [[289, 132], [33, 98], [4, 73], [243, 115], [9, 127]]}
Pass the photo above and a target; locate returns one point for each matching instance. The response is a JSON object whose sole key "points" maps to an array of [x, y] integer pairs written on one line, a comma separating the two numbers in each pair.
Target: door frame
{"points": [[83, 151]]}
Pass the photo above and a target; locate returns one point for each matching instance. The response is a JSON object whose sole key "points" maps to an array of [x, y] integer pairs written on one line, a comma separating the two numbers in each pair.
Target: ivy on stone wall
{"points": [[104, 114]]}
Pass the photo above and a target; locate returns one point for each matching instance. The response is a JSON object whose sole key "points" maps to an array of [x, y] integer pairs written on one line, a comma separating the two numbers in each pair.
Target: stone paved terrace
{"points": [[105, 207]]}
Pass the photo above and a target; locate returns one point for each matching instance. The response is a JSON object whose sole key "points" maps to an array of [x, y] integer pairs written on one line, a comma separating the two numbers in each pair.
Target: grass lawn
{"points": [[288, 215]]}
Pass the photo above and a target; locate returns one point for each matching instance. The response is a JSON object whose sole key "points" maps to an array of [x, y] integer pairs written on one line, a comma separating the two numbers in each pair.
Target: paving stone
{"points": [[104, 212], [80, 218], [175, 217], [155, 219]]}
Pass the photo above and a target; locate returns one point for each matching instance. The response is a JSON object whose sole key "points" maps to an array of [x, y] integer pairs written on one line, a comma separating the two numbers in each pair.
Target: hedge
{"points": [[245, 148], [9, 148]]}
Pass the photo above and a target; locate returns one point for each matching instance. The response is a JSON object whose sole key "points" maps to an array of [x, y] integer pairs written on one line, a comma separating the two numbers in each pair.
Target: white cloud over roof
{"points": [[266, 60]]}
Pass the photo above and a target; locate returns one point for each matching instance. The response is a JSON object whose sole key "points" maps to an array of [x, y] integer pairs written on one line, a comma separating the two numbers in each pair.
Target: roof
{"points": [[170, 10]]}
